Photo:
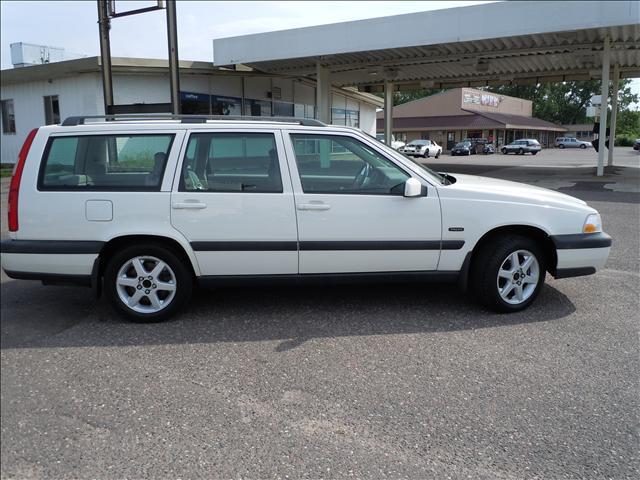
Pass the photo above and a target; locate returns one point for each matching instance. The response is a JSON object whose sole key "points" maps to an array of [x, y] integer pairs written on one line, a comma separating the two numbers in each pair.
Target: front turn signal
{"points": [[593, 224]]}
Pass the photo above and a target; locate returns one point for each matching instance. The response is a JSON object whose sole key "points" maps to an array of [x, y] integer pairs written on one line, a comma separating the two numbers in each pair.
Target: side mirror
{"points": [[412, 188]]}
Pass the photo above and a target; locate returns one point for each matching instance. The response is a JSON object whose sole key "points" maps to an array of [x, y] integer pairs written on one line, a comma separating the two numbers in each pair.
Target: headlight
{"points": [[593, 224]]}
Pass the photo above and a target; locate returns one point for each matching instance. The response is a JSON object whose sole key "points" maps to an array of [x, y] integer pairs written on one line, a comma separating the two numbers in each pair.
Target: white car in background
{"points": [[570, 142], [395, 144], [422, 148], [145, 208]]}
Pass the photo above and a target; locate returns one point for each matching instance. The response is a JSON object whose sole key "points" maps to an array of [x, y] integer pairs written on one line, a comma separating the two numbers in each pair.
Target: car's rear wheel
{"points": [[520, 151], [561, 146], [508, 275], [583, 146], [147, 283], [438, 153]]}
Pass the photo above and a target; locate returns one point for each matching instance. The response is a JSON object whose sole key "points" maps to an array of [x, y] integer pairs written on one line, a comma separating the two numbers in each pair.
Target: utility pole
{"points": [[174, 67], [104, 24]]}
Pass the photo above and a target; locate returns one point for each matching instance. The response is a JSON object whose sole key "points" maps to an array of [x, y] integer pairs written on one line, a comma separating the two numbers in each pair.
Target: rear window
{"points": [[105, 162]]}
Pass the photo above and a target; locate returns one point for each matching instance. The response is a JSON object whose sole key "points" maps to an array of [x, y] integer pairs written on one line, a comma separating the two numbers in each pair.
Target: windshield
{"points": [[418, 142], [462, 145]]}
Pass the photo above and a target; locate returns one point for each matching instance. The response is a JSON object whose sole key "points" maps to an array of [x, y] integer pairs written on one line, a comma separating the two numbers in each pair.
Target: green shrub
{"points": [[624, 141]]}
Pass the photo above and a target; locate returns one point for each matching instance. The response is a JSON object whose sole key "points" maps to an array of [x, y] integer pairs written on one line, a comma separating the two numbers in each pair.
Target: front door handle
{"points": [[191, 204], [313, 206]]}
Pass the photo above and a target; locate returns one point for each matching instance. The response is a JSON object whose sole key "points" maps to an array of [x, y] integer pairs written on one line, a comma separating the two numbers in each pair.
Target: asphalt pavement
{"points": [[385, 381]]}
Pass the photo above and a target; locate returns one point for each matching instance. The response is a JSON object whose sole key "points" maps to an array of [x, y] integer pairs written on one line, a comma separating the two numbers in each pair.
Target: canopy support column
{"points": [[323, 93], [606, 54], [614, 113], [388, 111]]}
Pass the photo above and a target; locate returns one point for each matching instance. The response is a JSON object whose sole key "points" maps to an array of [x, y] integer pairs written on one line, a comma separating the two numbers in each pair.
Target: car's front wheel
{"points": [[438, 153], [533, 153], [504, 151], [561, 146], [147, 283], [508, 275], [583, 146]]}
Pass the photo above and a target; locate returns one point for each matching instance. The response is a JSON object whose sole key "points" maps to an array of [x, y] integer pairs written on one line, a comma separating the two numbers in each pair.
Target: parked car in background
{"points": [[488, 149], [523, 146], [463, 148], [422, 148], [395, 144], [570, 142], [145, 210], [636, 144]]}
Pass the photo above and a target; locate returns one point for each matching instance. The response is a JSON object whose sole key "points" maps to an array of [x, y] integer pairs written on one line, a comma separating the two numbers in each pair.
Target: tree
{"points": [[565, 103], [628, 123]]}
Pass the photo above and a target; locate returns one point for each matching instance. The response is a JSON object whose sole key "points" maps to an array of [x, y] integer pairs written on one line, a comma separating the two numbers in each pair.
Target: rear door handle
{"points": [[189, 204], [313, 206]]}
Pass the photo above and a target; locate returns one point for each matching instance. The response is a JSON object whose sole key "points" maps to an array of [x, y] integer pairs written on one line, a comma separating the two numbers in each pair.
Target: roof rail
{"points": [[80, 120]]}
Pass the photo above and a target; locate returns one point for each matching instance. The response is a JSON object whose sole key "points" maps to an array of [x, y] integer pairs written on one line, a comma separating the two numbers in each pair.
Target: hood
{"points": [[514, 190]]}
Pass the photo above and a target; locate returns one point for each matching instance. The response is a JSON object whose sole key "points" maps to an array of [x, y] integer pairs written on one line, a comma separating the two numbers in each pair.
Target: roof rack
{"points": [[80, 120]]}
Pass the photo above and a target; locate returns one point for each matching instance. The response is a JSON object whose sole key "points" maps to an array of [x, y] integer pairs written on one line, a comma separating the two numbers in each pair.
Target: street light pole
{"points": [[104, 24], [174, 67]]}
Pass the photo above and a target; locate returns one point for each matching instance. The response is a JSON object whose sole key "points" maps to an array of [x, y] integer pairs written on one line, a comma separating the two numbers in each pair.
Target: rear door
{"points": [[232, 202], [352, 215]]}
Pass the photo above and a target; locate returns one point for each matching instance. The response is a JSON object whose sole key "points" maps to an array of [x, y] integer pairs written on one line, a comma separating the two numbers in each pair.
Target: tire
{"points": [[504, 150], [583, 146], [520, 151], [561, 146], [172, 284], [497, 256], [426, 153], [438, 153], [534, 153]]}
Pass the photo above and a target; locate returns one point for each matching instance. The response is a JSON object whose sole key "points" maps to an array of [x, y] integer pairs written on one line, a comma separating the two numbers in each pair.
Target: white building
{"points": [[44, 94]]}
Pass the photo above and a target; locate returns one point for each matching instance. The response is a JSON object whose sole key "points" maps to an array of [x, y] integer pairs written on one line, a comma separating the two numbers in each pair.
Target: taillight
{"points": [[14, 188]]}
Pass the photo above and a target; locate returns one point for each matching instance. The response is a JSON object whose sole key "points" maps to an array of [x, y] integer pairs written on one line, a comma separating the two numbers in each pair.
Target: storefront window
{"points": [[338, 116], [283, 109], [257, 108], [353, 118], [226, 105], [194, 103]]}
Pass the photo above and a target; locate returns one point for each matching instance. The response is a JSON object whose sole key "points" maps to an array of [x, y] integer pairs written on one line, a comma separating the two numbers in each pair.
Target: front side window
{"points": [[344, 165], [105, 162], [8, 117], [231, 162], [51, 110]]}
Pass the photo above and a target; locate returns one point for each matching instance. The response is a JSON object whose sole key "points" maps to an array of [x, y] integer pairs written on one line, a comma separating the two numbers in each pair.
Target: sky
{"points": [[72, 25]]}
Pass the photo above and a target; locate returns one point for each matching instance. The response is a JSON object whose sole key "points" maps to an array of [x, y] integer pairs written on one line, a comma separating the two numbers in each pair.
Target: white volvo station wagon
{"points": [[142, 209]]}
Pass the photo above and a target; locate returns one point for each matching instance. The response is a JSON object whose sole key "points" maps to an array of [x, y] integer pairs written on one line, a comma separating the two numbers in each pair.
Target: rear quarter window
{"points": [[105, 162]]}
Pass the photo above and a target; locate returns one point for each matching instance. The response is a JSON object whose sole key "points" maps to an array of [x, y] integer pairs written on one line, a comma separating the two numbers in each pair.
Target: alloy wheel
{"points": [[518, 277], [146, 284]]}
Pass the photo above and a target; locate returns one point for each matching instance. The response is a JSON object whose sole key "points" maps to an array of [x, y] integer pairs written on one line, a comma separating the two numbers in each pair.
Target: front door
{"points": [[352, 215], [231, 201]]}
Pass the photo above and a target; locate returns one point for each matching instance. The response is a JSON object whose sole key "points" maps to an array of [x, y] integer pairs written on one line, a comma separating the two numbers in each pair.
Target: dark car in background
{"points": [[636, 144], [463, 148], [520, 147]]}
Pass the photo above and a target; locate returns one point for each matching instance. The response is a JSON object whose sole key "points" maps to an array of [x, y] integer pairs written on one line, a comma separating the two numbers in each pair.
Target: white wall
{"points": [[82, 95], [77, 95], [368, 118]]}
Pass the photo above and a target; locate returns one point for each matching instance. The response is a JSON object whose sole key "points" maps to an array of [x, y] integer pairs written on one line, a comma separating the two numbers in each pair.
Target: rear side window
{"points": [[105, 162], [231, 162]]}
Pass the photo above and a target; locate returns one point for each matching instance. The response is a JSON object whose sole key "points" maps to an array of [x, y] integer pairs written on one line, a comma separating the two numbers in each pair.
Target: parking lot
{"points": [[384, 381]]}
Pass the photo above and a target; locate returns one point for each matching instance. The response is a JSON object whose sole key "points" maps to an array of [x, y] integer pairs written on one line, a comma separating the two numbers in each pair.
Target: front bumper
{"points": [[581, 254]]}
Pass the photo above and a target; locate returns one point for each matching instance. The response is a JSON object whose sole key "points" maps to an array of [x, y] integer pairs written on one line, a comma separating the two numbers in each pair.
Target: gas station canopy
{"points": [[495, 43]]}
